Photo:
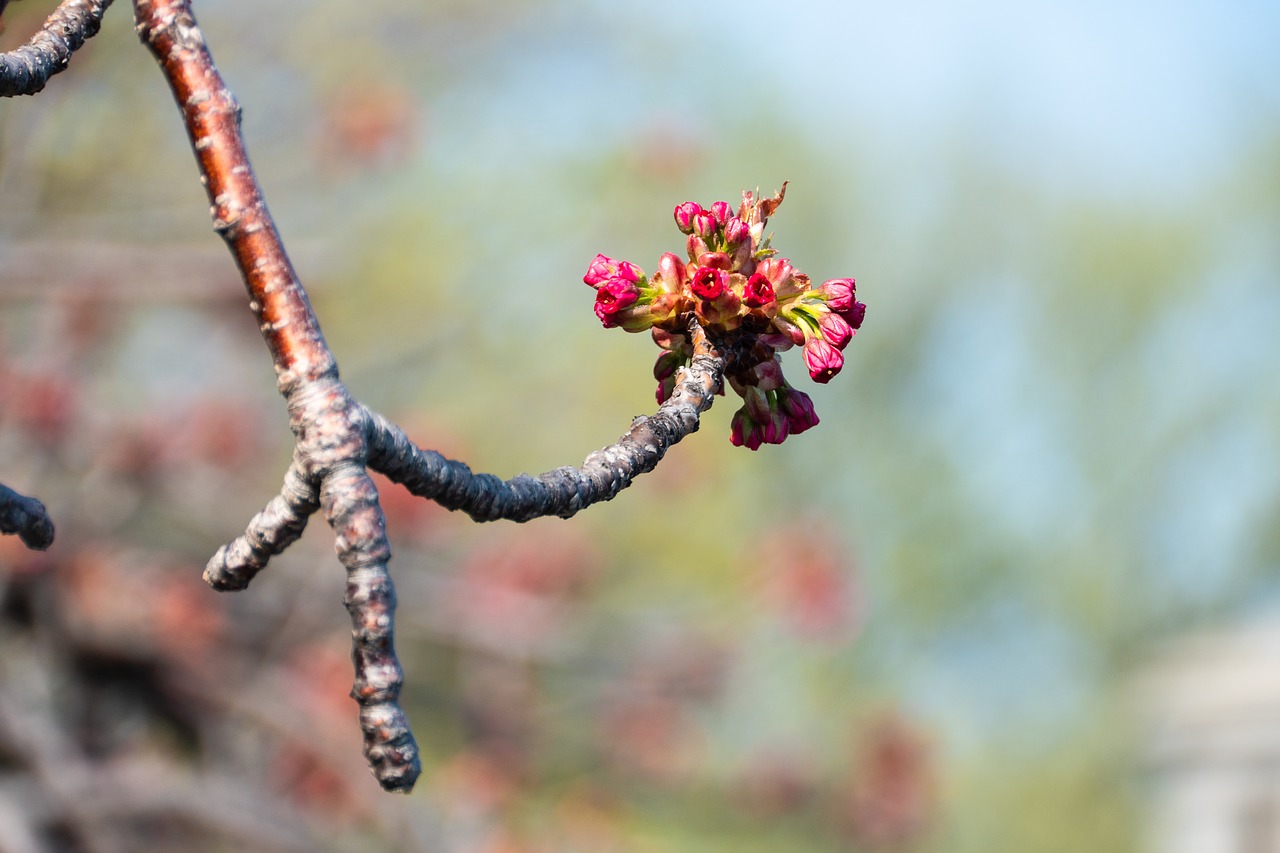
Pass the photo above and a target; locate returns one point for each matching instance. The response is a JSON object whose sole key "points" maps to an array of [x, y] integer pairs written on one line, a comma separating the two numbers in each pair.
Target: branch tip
{"points": [[26, 517]]}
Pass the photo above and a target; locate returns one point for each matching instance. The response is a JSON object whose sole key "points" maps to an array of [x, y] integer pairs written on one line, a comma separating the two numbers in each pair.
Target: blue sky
{"points": [[1145, 92]]}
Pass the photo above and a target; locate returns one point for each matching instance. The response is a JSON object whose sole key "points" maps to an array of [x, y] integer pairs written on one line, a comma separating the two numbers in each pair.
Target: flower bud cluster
{"points": [[735, 285]]}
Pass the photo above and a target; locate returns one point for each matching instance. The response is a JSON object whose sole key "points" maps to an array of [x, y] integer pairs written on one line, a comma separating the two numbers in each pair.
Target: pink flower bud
{"points": [[715, 260], [671, 273], [604, 268], [798, 407], [838, 293], [756, 402], [705, 225], [768, 374], [835, 329], [823, 360], [758, 292], [855, 315], [695, 246], [684, 215], [721, 211], [737, 242], [736, 231], [709, 282], [612, 297], [744, 432], [776, 429]]}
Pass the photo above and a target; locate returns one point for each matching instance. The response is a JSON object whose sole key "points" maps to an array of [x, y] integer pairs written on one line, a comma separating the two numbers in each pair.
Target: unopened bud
{"points": [[776, 428], [798, 407], [768, 374], [671, 273], [603, 268], [855, 315], [756, 403], [823, 360], [838, 293], [834, 328], [744, 432], [715, 260], [684, 214], [705, 225]]}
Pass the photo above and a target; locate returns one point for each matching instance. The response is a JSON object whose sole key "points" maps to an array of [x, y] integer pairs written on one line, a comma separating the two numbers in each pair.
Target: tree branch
{"points": [[26, 70], [564, 491], [26, 517], [338, 440]]}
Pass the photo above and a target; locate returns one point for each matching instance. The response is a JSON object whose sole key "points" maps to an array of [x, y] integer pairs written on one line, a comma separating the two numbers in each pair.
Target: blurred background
{"points": [[1018, 591]]}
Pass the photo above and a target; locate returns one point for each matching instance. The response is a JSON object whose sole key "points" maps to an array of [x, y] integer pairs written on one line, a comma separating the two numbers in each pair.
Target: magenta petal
{"points": [[758, 292]]}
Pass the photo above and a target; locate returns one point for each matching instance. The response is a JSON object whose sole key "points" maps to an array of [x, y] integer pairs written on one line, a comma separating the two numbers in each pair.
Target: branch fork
{"points": [[338, 440]]}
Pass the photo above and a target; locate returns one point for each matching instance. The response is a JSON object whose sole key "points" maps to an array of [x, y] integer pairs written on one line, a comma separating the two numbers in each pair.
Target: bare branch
{"points": [[26, 70], [564, 491], [271, 531], [351, 506], [212, 118], [26, 517]]}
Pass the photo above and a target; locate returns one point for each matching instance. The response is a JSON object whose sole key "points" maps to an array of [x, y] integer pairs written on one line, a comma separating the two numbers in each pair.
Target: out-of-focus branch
{"points": [[26, 70], [338, 440], [26, 517]]}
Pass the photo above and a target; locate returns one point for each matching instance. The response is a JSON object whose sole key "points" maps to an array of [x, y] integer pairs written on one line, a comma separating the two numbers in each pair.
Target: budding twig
{"points": [[26, 70], [338, 440], [564, 491]]}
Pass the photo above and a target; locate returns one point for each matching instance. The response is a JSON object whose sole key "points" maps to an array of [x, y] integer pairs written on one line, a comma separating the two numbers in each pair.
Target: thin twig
{"points": [[271, 531]]}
